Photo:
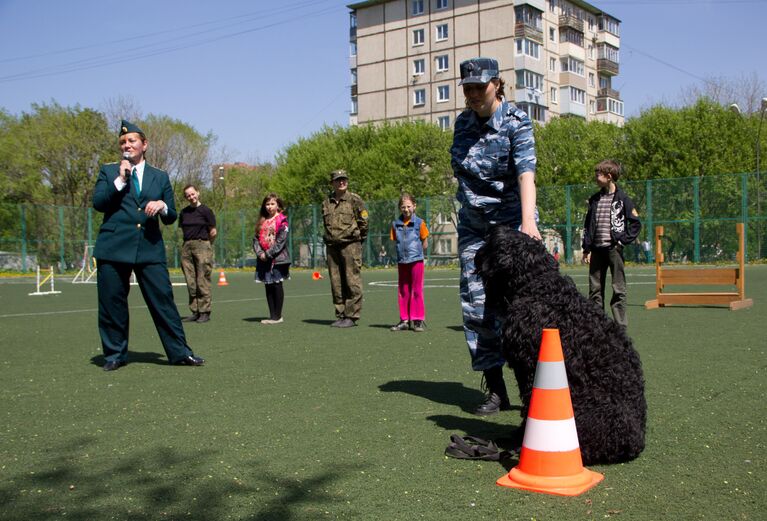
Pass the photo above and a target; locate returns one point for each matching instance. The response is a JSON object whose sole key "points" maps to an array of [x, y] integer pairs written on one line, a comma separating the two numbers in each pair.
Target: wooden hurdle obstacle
{"points": [[700, 276]]}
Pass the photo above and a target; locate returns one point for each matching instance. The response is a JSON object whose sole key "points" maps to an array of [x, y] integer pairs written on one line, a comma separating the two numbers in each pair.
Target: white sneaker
{"points": [[270, 321]]}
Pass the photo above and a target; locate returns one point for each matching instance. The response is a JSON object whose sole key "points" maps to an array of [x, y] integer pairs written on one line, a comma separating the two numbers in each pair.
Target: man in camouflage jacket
{"points": [[346, 227]]}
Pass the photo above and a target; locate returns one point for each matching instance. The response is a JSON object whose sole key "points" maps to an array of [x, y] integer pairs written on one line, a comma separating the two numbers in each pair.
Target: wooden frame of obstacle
{"points": [[700, 276]]}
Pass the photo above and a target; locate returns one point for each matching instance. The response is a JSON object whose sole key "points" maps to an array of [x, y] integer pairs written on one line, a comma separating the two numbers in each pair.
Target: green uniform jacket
{"points": [[127, 234], [345, 219]]}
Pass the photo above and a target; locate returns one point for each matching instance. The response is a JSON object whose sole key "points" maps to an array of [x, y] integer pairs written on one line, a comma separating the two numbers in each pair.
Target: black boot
{"points": [[497, 398]]}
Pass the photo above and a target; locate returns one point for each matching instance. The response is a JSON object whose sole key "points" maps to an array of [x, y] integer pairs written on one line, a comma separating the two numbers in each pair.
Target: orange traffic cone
{"points": [[550, 461], [316, 275], [222, 279]]}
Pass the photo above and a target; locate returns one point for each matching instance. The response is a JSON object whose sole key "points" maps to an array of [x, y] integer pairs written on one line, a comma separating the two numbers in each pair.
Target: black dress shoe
{"points": [[190, 360], [204, 317], [191, 318], [338, 322], [114, 365]]}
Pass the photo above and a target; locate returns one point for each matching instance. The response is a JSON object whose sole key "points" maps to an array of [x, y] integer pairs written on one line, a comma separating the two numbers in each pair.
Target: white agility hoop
{"points": [[88, 268]]}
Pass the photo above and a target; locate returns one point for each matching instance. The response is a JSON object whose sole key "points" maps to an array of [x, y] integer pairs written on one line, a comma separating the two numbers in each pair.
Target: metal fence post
{"points": [[290, 235], [696, 217], [649, 232], [242, 239], [744, 212], [314, 234], [62, 259], [568, 225], [23, 214], [428, 227]]}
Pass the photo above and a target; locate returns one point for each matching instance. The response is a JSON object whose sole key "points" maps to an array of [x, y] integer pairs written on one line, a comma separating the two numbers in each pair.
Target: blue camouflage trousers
{"points": [[480, 325]]}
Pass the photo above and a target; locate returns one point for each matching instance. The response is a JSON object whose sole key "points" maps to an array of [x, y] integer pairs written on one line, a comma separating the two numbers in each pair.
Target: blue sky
{"points": [[261, 75]]}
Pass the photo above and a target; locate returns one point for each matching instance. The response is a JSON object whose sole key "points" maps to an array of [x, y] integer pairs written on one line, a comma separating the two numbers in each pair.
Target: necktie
{"points": [[135, 182]]}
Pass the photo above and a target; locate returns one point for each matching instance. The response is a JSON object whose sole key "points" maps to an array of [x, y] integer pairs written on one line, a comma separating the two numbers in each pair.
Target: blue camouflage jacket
{"points": [[487, 159]]}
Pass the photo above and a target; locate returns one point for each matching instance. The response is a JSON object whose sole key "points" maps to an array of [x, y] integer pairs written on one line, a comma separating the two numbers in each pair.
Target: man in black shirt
{"points": [[199, 226]]}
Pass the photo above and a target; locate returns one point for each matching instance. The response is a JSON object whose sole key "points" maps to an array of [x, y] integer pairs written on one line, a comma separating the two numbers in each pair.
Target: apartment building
{"points": [[557, 57]]}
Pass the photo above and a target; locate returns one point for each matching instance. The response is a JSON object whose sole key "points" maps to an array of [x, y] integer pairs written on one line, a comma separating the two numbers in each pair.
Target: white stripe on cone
{"points": [[551, 435]]}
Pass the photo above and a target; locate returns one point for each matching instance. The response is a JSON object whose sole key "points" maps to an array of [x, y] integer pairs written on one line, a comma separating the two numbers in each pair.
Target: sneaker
{"points": [[347, 322], [191, 318], [492, 405], [338, 322], [419, 326], [270, 321], [403, 325], [204, 317]]}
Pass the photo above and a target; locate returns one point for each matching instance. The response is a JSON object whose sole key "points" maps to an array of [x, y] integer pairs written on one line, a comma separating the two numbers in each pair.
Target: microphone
{"points": [[126, 157]]}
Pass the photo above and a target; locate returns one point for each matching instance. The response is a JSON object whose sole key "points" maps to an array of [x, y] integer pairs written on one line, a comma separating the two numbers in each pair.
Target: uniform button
{"points": [[138, 226], [138, 209]]}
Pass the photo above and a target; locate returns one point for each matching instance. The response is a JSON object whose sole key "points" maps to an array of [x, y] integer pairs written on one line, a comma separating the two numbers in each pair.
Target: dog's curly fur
{"points": [[522, 282]]}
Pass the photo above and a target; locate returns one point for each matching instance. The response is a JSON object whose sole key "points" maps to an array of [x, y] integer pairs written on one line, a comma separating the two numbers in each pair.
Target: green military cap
{"points": [[126, 127], [478, 70], [338, 174]]}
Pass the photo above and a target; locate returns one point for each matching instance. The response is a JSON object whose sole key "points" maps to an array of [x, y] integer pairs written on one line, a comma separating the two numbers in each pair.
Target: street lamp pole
{"points": [[222, 240]]}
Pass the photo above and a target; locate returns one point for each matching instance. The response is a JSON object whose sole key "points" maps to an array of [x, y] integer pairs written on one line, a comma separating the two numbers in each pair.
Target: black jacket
{"points": [[624, 220]]}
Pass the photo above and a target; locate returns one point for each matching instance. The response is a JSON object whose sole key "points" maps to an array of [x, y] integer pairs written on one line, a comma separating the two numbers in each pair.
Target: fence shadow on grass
{"points": [[449, 393], [78, 481]]}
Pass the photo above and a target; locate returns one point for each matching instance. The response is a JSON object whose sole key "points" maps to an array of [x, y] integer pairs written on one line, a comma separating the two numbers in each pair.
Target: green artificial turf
{"points": [[303, 421]]}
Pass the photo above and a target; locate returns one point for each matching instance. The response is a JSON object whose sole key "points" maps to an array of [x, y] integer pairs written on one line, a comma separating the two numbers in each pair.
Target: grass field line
{"points": [[180, 305]]}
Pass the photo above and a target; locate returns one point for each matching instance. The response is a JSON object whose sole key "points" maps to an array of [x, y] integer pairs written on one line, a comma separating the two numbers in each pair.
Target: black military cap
{"points": [[126, 127], [478, 70], [338, 174]]}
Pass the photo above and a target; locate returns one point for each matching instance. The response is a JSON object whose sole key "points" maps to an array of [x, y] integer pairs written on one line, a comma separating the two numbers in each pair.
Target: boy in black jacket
{"points": [[611, 223]]}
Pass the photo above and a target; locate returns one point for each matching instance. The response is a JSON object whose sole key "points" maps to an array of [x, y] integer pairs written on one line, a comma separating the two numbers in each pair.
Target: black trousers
{"points": [[114, 320]]}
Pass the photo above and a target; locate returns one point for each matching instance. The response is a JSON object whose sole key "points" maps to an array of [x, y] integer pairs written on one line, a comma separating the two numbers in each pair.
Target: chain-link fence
{"points": [[698, 213]]}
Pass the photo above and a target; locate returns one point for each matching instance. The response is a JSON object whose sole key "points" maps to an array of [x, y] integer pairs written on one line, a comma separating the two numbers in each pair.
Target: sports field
{"points": [[303, 421]]}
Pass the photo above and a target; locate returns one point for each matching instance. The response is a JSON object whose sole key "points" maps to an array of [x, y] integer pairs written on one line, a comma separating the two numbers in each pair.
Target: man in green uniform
{"points": [[346, 227], [134, 197]]}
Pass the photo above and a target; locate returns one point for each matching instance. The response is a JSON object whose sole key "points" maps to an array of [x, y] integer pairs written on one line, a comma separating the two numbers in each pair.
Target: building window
{"points": [[553, 95], [605, 82], [418, 37], [591, 79], [570, 64], [354, 105], [354, 76], [570, 35], [591, 52], [441, 4], [610, 25], [591, 106], [577, 96], [528, 48], [442, 63], [353, 49], [529, 16], [591, 23], [417, 7], [552, 34], [553, 64], [553, 6], [529, 79], [608, 52], [419, 67], [536, 112], [441, 32], [443, 93], [615, 106], [444, 122], [444, 247], [419, 97]]}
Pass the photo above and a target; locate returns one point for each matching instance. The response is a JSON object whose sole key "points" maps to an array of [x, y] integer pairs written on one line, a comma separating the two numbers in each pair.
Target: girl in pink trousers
{"points": [[410, 234]]}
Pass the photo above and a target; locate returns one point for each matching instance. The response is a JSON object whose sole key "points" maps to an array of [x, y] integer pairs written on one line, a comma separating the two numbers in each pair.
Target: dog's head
{"points": [[509, 259]]}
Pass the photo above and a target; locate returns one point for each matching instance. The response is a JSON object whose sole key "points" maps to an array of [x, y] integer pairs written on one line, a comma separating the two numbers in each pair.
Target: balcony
{"points": [[523, 30], [354, 90], [567, 20], [607, 66], [608, 93]]}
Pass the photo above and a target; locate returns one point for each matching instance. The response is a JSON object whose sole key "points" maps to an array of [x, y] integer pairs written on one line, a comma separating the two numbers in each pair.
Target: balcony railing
{"points": [[607, 66], [608, 93], [567, 20], [523, 30]]}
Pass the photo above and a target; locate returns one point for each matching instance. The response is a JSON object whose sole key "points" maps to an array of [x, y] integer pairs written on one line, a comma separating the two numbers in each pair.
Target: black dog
{"points": [[527, 293]]}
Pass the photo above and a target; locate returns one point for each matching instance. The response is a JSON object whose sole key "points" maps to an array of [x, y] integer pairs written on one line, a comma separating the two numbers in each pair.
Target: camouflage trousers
{"points": [[197, 265], [480, 326], [344, 268]]}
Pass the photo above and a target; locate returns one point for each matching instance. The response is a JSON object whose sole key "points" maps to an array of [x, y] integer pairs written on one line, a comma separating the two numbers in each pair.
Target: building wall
{"points": [[386, 52]]}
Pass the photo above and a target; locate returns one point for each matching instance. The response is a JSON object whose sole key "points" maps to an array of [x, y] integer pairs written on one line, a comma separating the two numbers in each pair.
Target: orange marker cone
{"points": [[551, 461], [316, 275], [222, 279]]}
